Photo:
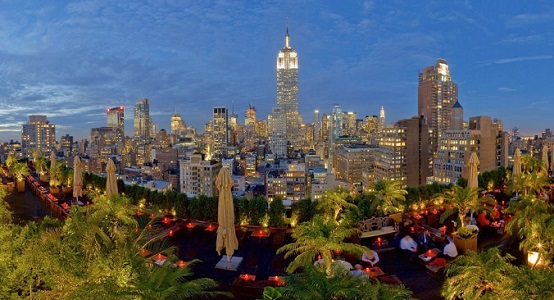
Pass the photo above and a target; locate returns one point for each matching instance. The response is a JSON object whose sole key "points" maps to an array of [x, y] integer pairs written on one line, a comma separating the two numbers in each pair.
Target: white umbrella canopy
{"points": [[473, 164], [111, 182], [226, 236], [77, 178]]}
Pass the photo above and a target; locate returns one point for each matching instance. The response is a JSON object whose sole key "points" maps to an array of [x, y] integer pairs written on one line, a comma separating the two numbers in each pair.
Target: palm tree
{"points": [[536, 182], [314, 284], [170, 282], [463, 200], [40, 165], [390, 195], [530, 164], [319, 237], [11, 161], [333, 202], [20, 170], [533, 222], [480, 275]]}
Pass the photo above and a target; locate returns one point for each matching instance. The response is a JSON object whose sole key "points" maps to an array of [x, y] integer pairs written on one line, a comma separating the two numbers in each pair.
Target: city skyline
{"points": [[72, 60]]}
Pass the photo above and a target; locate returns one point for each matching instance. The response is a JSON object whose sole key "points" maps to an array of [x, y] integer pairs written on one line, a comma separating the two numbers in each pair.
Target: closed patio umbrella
{"points": [[226, 236], [517, 163], [77, 178], [473, 163], [544, 158], [52, 166], [111, 182]]}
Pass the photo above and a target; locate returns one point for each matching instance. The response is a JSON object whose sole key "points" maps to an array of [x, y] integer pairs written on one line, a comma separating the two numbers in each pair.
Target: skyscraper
{"points": [[38, 134], [143, 130], [437, 93], [116, 119], [178, 125], [220, 132], [287, 96], [142, 121]]}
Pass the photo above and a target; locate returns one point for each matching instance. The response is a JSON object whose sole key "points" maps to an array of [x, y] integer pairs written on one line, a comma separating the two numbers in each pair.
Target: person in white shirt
{"points": [[409, 246], [370, 257], [450, 249]]}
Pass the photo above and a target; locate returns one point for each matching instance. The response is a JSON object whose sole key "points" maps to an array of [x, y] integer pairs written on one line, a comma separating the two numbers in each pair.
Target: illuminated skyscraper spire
{"points": [[285, 118]]}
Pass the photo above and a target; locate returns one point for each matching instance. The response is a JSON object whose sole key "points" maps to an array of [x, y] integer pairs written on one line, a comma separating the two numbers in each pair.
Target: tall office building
{"points": [[115, 118], [437, 93], [335, 131], [143, 131], [250, 135], [38, 134], [287, 95], [142, 121], [178, 125], [220, 132]]}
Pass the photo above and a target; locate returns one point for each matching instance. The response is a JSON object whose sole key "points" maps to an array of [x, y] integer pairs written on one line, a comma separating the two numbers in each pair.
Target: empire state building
{"points": [[285, 120]]}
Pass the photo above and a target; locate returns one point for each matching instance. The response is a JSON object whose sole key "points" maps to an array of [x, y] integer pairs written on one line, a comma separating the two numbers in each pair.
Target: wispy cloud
{"points": [[506, 90], [522, 58]]}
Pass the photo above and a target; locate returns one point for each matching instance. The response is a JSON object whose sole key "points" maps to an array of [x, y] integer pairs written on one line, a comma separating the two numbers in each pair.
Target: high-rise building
{"points": [[143, 131], [456, 146], [66, 144], [102, 146], [250, 135], [142, 121], [276, 122], [178, 125], [437, 93], [38, 135], [335, 131], [349, 127], [220, 132], [115, 118], [287, 95], [198, 176]]}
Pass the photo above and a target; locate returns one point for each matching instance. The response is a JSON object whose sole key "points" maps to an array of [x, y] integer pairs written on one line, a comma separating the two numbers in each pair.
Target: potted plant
{"points": [[40, 164], [20, 171], [55, 179], [466, 238]]}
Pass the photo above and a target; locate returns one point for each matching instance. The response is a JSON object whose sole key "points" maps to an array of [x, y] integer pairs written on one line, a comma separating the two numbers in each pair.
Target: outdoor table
{"points": [[429, 254], [261, 233], [374, 272]]}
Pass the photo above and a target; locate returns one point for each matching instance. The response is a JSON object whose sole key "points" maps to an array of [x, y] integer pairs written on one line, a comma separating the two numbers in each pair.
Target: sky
{"points": [[70, 60]]}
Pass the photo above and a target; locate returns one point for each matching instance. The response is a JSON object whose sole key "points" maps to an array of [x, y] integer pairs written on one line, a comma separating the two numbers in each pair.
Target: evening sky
{"points": [[70, 60]]}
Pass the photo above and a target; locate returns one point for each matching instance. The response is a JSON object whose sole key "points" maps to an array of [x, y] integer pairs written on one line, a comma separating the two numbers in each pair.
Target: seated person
{"points": [[496, 214], [370, 257], [482, 219], [358, 271], [450, 249], [409, 246], [424, 241]]}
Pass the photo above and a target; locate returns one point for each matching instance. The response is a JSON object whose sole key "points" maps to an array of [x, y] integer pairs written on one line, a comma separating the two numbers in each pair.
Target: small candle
{"points": [[170, 232]]}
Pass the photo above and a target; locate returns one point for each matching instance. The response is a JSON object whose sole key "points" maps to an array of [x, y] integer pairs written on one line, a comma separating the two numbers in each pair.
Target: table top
{"points": [[261, 233], [430, 254], [374, 272]]}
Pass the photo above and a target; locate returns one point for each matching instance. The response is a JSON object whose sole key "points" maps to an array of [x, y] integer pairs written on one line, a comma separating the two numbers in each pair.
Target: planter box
{"points": [[67, 189], [20, 186], [464, 244], [54, 190]]}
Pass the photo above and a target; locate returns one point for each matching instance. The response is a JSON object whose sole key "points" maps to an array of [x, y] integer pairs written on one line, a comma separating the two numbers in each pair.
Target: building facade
{"points": [[437, 93], [198, 176], [287, 95], [38, 134]]}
